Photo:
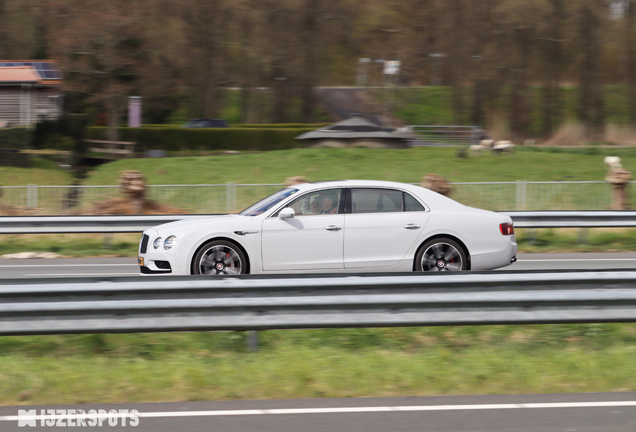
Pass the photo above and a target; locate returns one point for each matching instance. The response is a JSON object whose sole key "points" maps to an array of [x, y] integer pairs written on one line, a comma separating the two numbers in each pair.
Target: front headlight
{"points": [[157, 242], [170, 242]]}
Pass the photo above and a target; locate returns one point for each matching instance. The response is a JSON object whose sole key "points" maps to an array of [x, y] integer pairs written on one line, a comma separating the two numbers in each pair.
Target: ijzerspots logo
{"points": [[78, 418]]}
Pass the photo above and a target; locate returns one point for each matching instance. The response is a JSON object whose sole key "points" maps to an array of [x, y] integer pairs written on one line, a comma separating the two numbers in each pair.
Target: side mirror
{"points": [[286, 213]]}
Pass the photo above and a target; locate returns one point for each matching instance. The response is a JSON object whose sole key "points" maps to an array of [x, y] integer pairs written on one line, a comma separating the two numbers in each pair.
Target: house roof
{"points": [[353, 127], [18, 74]]}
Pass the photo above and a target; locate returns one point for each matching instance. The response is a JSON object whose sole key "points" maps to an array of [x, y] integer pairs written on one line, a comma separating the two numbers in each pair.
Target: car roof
{"points": [[428, 195], [354, 183]]}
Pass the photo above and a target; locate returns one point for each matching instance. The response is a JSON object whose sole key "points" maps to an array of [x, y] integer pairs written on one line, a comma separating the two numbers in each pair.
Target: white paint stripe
{"points": [[575, 259], [82, 274], [298, 411], [69, 265]]}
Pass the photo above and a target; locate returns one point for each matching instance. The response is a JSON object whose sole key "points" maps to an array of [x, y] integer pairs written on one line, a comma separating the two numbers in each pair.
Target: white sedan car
{"points": [[334, 226]]}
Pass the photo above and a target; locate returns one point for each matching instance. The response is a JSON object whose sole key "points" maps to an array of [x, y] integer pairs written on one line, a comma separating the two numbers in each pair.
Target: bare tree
{"points": [[457, 57], [551, 43], [310, 35], [204, 23], [4, 34], [99, 44], [630, 48], [591, 102]]}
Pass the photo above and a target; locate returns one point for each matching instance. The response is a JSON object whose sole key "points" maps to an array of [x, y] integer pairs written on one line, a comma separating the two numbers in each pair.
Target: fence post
{"points": [[230, 197], [32, 196], [520, 195]]}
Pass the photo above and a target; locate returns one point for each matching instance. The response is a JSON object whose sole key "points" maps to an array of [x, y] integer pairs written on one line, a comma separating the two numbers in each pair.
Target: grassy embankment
{"points": [[531, 164], [318, 363], [433, 106]]}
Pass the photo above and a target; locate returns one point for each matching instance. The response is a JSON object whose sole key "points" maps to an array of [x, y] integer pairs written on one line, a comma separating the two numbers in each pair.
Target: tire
{"points": [[219, 257], [441, 254]]}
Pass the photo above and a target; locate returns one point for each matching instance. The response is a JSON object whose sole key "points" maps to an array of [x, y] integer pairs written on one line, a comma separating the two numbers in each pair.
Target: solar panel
{"points": [[47, 70]]}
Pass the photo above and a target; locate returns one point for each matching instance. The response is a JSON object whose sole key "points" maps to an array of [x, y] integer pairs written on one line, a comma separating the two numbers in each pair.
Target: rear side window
{"points": [[411, 204], [375, 201]]}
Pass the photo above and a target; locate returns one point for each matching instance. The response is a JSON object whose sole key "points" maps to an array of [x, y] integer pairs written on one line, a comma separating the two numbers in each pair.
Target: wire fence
{"points": [[231, 197]]}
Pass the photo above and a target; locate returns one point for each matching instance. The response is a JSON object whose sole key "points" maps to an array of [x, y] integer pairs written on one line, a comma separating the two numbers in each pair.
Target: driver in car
{"points": [[329, 203]]}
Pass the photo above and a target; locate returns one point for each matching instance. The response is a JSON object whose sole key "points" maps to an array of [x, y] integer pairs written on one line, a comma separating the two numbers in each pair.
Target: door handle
{"points": [[411, 226], [332, 228]]}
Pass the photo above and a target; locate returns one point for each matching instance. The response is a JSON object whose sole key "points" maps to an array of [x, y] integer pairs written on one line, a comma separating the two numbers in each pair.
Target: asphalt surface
{"points": [[78, 267], [587, 412]]}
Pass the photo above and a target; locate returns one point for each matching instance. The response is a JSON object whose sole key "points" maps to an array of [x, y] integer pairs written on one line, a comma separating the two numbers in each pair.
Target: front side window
{"points": [[375, 201], [316, 203]]}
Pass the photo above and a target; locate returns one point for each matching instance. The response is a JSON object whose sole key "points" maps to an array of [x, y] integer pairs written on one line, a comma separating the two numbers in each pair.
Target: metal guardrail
{"points": [[573, 219], [84, 224], [124, 224], [127, 305]]}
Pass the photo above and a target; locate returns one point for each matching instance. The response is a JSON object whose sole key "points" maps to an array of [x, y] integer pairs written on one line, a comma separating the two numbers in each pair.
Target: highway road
{"points": [[586, 412], [78, 267], [589, 412]]}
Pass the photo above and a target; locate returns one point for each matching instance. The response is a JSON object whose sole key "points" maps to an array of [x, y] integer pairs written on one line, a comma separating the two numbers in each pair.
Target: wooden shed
{"points": [[356, 132], [30, 91]]}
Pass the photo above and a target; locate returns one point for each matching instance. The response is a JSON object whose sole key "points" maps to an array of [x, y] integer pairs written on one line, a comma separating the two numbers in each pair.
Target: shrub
{"points": [[11, 141], [183, 139]]}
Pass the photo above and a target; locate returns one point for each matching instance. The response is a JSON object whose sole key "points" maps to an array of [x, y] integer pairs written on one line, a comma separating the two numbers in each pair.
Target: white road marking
{"points": [[68, 265], [81, 274], [575, 259], [297, 411]]}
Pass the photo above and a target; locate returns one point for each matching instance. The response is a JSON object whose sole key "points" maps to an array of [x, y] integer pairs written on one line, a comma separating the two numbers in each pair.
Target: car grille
{"points": [[143, 246]]}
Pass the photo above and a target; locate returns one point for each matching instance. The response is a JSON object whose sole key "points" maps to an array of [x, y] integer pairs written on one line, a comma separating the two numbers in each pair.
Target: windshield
{"points": [[267, 203]]}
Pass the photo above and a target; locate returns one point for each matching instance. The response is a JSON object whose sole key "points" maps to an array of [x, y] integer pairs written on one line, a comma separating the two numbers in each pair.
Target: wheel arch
{"points": [[227, 239], [448, 236]]}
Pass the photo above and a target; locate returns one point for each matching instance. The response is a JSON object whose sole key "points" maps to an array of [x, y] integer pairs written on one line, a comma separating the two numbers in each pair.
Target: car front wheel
{"points": [[219, 257], [441, 254]]}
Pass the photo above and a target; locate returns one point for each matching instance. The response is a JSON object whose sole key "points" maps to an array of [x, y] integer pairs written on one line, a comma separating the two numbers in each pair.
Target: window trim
{"points": [[349, 202]]}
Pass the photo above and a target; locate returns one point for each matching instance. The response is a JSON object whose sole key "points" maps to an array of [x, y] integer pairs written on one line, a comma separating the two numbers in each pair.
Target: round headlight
{"points": [[170, 242], [157, 242]]}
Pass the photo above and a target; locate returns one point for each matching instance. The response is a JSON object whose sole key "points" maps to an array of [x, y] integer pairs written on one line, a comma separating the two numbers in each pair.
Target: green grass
{"points": [[408, 165], [72, 245], [433, 105], [44, 172], [318, 363]]}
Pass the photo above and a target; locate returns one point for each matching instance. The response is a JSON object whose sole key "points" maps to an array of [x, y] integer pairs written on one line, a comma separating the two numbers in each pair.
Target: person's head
{"points": [[314, 207], [328, 201]]}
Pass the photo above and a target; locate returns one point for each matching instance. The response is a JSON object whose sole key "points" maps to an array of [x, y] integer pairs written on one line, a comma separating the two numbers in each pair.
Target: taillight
{"points": [[506, 228]]}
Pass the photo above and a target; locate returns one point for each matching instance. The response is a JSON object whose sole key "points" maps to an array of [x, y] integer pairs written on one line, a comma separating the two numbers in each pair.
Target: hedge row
{"points": [[180, 139], [313, 126], [11, 140]]}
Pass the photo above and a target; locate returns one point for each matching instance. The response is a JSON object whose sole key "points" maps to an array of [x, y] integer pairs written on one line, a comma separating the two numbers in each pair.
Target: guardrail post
{"points": [[582, 238], [108, 241], [252, 340]]}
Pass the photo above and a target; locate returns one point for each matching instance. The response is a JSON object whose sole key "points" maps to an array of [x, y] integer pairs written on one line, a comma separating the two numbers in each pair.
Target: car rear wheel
{"points": [[219, 257], [441, 254]]}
